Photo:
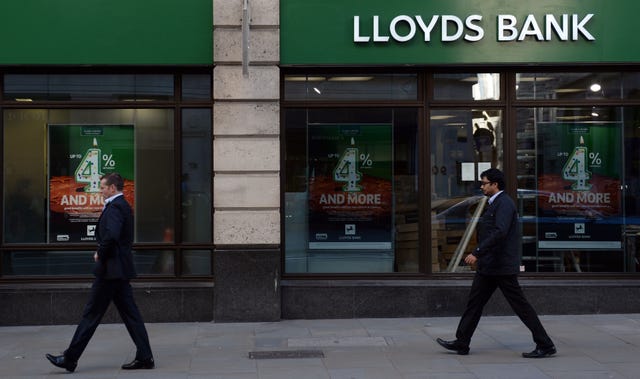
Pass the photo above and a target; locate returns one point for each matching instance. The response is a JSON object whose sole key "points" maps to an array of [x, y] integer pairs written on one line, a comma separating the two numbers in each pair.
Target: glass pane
{"points": [[631, 186], [464, 143], [196, 262], [197, 209], [351, 87], [631, 85], [196, 87], [568, 85], [47, 263], [30, 158], [154, 262], [344, 169], [481, 86], [570, 194], [88, 87], [25, 176]]}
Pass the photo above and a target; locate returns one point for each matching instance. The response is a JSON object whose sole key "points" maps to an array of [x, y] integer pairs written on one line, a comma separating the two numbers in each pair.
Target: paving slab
{"points": [[589, 346]]}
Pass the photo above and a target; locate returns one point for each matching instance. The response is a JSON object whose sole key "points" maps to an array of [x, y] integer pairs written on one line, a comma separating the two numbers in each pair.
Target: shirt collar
{"points": [[111, 198], [492, 198]]}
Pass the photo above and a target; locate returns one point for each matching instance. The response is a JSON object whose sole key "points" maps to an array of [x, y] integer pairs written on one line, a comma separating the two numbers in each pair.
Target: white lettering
{"points": [[376, 31], [506, 23], [578, 27], [73, 200], [476, 28], [427, 29], [530, 28], [394, 32], [356, 31], [552, 25], [96, 200], [445, 21]]}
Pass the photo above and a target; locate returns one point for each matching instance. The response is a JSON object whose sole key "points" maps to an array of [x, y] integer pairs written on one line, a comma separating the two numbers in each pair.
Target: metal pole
{"points": [[245, 38]]}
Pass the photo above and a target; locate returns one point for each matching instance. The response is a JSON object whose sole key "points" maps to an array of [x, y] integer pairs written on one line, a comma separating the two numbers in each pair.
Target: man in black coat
{"points": [[113, 269], [498, 264]]}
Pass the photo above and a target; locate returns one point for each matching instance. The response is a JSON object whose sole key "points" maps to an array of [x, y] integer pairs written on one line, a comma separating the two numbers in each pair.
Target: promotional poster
{"points": [[78, 156], [350, 186], [579, 178]]}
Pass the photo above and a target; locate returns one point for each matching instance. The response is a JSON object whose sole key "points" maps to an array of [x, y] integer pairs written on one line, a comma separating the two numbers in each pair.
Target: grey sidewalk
{"points": [[589, 346]]}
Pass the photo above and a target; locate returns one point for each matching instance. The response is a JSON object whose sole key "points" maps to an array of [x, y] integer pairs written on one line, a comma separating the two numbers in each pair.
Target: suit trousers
{"points": [[103, 292], [482, 289]]}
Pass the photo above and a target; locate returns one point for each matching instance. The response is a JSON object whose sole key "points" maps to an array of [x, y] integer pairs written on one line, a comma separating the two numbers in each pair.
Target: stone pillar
{"points": [[246, 128]]}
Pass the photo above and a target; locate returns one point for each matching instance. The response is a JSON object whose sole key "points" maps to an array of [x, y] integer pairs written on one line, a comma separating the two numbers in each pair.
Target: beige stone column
{"points": [[246, 149], [246, 125]]}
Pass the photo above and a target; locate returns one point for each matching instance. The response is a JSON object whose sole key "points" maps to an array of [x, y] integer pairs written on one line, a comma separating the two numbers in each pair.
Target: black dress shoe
{"points": [[146, 364], [62, 362], [454, 345], [541, 352]]}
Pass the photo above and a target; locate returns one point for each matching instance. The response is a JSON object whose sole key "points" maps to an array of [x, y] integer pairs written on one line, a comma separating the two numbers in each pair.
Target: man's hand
{"points": [[95, 256], [470, 259]]}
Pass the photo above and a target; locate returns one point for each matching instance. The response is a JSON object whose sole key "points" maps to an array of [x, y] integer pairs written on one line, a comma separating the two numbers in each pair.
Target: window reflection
{"points": [[466, 86], [581, 85], [463, 144], [348, 211], [577, 195], [86, 87], [351, 87]]}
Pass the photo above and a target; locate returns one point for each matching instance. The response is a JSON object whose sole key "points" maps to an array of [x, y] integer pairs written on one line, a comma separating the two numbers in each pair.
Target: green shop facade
{"points": [[318, 159]]}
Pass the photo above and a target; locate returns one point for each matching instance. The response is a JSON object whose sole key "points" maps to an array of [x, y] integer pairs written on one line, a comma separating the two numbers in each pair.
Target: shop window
{"points": [[196, 181], [466, 87], [154, 262], [87, 87], [196, 262], [464, 143], [631, 85], [351, 87], [196, 87], [47, 263], [53, 158], [351, 190], [578, 188], [569, 86], [43, 149]]}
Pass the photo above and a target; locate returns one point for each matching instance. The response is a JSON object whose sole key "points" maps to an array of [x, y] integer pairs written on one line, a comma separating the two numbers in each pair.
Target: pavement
{"points": [[589, 346]]}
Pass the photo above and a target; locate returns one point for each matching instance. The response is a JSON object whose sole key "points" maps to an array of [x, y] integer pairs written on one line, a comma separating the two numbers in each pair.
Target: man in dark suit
{"points": [[498, 264], [113, 270]]}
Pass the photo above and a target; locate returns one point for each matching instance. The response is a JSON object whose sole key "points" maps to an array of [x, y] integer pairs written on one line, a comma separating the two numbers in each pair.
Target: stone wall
{"points": [[246, 129]]}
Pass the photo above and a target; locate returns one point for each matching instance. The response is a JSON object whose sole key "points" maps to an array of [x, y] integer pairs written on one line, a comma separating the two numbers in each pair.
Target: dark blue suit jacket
{"points": [[498, 249], [115, 238]]}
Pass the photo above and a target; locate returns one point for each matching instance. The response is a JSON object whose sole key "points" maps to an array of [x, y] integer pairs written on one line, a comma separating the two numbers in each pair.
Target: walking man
{"points": [[498, 264], [113, 270]]}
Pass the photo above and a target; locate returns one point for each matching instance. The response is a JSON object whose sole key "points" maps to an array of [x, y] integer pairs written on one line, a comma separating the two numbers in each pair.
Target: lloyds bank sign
{"points": [[404, 28], [418, 32]]}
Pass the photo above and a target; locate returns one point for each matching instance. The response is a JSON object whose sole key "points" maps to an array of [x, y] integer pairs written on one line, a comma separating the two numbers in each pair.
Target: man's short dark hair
{"points": [[495, 176], [115, 179]]}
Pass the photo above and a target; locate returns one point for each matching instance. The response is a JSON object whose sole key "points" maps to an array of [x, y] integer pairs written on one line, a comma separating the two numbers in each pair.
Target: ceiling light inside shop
{"points": [[304, 78], [317, 90], [350, 78], [569, 90], [595, 87], [576, 117], [25, 100], [534, 78], [442, 117]]}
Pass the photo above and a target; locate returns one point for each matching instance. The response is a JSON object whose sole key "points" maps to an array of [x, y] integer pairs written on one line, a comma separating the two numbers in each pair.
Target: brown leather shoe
{"points": [[146, 364], [454, 345]]}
